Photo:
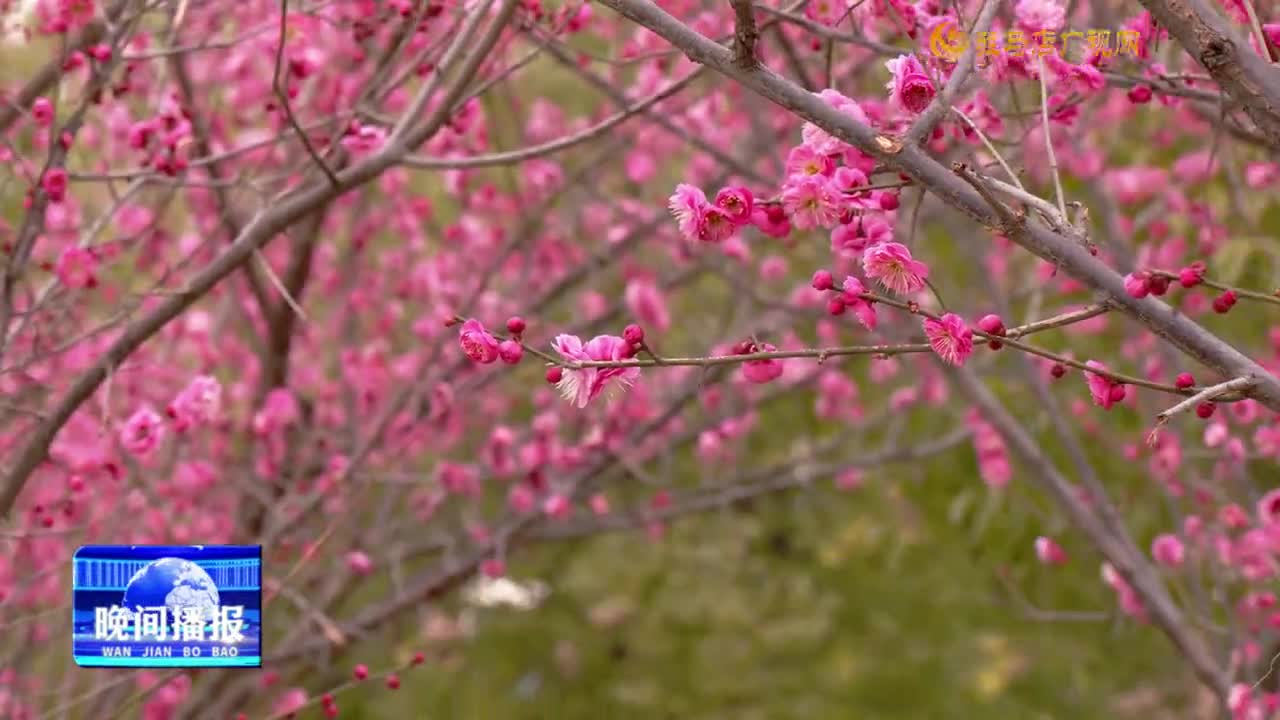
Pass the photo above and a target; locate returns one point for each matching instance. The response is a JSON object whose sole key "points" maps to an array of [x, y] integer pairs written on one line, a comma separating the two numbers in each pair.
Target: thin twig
{"points": [[1209, 393], [990, 148], [1048, 142], [1043, 206], [275, 280], [283, 97]]}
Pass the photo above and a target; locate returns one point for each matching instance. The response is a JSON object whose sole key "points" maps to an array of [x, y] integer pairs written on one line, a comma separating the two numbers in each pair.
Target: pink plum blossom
{"points": [[478, 343], [820, 140], [580, 386], [764, 370], [892, 266], [910, 88], [1104, 391], [950, 338], [862, 309], [811, 202]]}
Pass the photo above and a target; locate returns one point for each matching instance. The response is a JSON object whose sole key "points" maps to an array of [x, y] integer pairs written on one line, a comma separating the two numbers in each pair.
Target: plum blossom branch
{"points": [[1196, 277], [1067, 252], [1210, 393], [821, 354]]}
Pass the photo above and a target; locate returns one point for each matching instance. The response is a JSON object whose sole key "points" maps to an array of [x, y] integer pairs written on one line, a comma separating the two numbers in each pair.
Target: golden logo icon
{"points": [[948, 42]]}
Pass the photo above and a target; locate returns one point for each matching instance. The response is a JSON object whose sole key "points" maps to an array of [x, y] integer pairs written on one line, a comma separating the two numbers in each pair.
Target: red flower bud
{"points": [[633, 334]]}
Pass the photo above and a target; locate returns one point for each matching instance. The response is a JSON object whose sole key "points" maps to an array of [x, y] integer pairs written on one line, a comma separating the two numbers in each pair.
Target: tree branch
{"points": [[1245, 76], [1064, 252], [745, 34]]}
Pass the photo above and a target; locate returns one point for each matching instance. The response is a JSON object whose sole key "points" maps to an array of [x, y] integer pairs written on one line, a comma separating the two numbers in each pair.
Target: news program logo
{"points": [[167, 606]]}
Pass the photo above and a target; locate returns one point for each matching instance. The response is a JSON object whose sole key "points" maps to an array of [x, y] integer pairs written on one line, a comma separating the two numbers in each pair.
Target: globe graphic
{"points": [[173, 583]]}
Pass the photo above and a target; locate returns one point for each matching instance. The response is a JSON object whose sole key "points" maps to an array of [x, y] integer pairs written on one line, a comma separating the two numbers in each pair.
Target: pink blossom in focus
{"points": [[688, 204], [910, 87], [804, 160], [737, 202], [478, 343], [893, 267], [1105, 392], [862, 308], [580, 386], [764, 370], [811, 202], [950, 338]]}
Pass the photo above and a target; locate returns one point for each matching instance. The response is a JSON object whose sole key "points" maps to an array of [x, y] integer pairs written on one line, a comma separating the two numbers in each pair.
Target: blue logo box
{"points": [[167, 606]]}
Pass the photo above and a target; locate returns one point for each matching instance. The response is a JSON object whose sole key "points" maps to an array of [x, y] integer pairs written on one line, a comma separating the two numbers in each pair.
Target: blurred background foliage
{"points": [[882, 602]]}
